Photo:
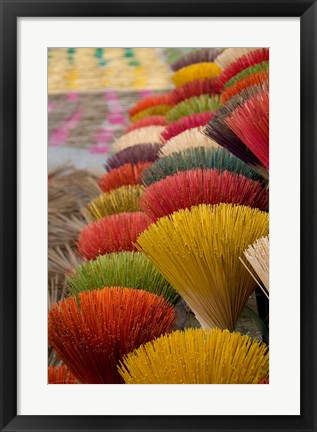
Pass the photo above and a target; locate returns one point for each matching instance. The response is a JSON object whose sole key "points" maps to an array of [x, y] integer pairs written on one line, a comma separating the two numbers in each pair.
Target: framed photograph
{"points": [[157, 182]]}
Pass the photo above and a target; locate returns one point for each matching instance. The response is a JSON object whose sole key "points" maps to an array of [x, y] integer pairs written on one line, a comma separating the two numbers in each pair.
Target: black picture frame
{"points": [[10, 11]]}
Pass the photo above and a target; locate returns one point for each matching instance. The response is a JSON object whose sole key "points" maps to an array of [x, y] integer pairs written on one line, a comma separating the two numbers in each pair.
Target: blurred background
{"points": [[89, 93]]}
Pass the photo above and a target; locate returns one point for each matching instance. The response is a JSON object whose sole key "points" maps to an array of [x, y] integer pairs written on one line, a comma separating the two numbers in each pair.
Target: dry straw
{"points": [[197, 356], [188, 139], [198, 252], [121, 200]]}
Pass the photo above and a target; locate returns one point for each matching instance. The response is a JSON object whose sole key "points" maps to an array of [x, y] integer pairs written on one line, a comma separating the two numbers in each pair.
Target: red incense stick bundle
{"points": [[113, 233], [191, 188]]}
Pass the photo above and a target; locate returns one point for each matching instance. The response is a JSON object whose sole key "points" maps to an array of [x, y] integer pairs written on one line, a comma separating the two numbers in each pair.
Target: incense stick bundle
{"points": [[189, 138], [60, 375], [250, 122], [155, 120], [250, 59], [251, 70], [191, 188], [127, 174], [111, 234], [189, 122], [194, 88], [229, 55], [197, 356], [218, 130], [198, 251], [197, 71], [91, 333], [258, 256], [121, 200], [203, 55], [195, 104], [135, 154], [250, 80], [159, 110], [196, 157], [122, 269], [150, 134], [149, 102]]}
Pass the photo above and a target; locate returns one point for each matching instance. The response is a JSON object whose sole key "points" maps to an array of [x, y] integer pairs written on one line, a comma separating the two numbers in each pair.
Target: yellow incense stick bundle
{"points": [[194, 72], [121, 200], [198, 252], [197, 356]]}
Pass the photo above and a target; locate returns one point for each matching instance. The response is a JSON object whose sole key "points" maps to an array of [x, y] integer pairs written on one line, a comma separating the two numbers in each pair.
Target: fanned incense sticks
{"points": [[202, 55], [229, 55], [160, 110], [196, 104], [127, 174], [191, 188], [134, 154], [111, 234], [148, 102], [247, 60], [196, 157], [250, 80], [125, 269], [193, 88], [149, 134], [60, 375], [121, 200], [197, 356], [91, 333], [197, 71], [198, 251], [192, 121], [219, 131], [261, 67], [155, 120], [187, 139], [250, 122], [258, 256]]}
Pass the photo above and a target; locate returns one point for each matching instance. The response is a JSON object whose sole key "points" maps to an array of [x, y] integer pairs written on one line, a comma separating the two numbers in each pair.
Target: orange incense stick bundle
{"points": [[127, 174], [60, 375], [155, 120], [91, 333]]}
